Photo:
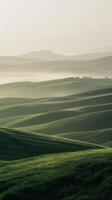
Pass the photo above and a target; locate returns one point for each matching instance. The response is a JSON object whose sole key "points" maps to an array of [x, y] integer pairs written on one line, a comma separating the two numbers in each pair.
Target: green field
{"points": [[83, 175], [56, 139]]}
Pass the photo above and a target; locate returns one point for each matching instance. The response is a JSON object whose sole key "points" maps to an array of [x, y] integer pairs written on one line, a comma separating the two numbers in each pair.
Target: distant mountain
{"points": [[46, 55]]}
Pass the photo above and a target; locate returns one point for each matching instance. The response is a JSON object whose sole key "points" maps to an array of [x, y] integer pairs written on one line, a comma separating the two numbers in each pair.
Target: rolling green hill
{"points": [[17, 145], [52, 88], [56, 139], [86, 122], [35, 106], [82, 175], [85, 116], [103, 137]]}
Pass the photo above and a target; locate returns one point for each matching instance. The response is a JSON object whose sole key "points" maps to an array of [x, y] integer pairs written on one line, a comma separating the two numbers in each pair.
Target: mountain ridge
{"points": [[48, 55]]}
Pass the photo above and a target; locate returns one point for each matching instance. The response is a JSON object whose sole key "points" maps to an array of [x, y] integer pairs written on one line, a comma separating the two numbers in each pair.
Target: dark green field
{"points": [[56, 139]]}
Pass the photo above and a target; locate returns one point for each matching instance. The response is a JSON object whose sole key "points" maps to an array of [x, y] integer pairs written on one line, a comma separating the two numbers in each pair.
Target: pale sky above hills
{"points": [[63, 26]]}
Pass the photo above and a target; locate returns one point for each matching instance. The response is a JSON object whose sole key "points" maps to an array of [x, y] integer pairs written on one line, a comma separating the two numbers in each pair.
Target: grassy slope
{"points": [[103, 137], [60, 87], [85, 116], [42, 118], [83, 175], [86, 122], [56, 104], [18, 145]]}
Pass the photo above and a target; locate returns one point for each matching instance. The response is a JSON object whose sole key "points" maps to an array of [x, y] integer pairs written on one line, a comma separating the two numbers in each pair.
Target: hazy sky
{"points": [[64, 26]]}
